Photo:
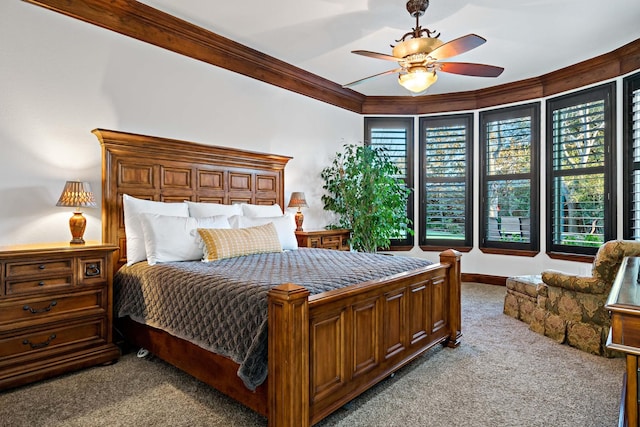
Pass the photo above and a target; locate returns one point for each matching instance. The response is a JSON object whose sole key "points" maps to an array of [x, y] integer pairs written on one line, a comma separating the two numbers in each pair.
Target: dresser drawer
{"points": [[92, 271], [38, 284], [60, 338], [43, 309], [39, 268]]}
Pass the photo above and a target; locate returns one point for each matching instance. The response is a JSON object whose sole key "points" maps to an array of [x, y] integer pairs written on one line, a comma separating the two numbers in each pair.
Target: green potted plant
{"points": [[364, 191]]}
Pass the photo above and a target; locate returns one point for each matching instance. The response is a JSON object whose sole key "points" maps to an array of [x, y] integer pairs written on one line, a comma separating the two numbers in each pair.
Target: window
{"points": [[581, 171], [445, 182], [509, 178], [631, 123], [395, 135]]}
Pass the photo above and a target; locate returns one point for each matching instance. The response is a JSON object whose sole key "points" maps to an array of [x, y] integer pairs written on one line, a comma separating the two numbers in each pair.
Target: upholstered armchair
{"points": [[573, 311]]}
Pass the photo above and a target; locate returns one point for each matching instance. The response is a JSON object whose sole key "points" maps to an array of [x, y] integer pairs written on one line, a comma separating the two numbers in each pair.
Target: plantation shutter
{"points": [[446, 159], [509, 206], [582, 215], [394, 141], [634, 162], [395, 136]]}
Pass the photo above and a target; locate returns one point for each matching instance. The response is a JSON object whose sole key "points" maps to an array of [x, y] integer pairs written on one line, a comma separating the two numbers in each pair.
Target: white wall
{"points": [[60, 78]]}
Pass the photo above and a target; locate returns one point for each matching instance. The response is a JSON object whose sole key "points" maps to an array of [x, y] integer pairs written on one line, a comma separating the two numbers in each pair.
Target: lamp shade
{"points": [[418, 81], [297, 200], [77, 194]]}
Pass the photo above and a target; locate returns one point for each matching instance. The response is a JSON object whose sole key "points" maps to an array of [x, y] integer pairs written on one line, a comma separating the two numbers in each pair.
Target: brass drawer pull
{"points": [[42, 310], [40, 345], [92, 270]]}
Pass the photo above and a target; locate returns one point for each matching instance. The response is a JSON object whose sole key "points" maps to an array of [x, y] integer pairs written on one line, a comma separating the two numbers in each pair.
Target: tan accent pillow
{"points": [[228, 243]]}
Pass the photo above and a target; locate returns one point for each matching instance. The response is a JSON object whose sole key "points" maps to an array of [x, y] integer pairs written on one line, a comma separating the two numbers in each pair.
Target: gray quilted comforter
{"points": [[222, 305]]}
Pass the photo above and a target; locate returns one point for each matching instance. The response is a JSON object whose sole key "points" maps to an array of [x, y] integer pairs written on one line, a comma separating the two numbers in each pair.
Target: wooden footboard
{"points": [[326, 349]]}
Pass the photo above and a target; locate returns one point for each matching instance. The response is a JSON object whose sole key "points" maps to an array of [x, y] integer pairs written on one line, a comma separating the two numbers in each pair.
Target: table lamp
{"points": [[78, 195], [297, 200]]}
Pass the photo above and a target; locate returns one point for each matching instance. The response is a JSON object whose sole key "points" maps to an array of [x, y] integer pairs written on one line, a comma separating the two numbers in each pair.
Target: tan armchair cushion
{"points": [[605, 267], [610, 256], [590, 285]]}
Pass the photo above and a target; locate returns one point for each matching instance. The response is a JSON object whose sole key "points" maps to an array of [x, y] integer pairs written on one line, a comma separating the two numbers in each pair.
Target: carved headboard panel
{"points": [[170, 170]]}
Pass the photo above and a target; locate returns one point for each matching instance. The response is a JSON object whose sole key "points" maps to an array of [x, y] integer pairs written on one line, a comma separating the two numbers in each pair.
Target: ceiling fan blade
{"points": [[469, 69], [357, 82], [457, 46], [375, 55]]}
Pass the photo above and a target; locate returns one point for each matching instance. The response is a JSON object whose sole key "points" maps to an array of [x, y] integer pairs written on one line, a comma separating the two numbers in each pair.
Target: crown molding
{"points": [[139, 21]]}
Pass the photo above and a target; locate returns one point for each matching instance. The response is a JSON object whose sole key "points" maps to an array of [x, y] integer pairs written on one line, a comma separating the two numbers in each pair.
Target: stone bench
{"points": [[524, 294]]}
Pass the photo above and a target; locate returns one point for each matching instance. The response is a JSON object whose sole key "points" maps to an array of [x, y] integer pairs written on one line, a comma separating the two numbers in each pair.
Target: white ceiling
{"points": [[526, 37]]}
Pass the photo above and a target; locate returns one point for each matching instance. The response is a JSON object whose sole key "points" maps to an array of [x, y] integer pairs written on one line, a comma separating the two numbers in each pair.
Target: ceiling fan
{"points": [[420, 57]]}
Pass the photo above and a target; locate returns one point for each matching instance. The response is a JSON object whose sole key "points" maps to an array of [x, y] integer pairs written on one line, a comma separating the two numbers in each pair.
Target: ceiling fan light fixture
{"points": [[417, 81], [420, 53], [414, 46]]}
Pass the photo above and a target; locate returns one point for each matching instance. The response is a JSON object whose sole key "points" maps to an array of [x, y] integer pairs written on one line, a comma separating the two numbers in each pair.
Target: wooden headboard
{"points": [[170, 170]]}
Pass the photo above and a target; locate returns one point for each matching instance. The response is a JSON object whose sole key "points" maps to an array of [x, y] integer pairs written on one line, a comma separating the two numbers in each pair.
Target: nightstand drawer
{"points": [[315, 242], [331, 241], [58, 338], [92, 271], [35, 310], [40, 268], [334, 246], [38, 285]]}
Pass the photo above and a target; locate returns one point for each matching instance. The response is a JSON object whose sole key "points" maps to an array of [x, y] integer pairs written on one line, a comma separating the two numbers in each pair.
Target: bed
{"points": [[324, 348]]}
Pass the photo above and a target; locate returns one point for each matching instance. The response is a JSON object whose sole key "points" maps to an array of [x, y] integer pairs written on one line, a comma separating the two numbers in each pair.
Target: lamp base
{"points": [[299, 219], [77, 225]]}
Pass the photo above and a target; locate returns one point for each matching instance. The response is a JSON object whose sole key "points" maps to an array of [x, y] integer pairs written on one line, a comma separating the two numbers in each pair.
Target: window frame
{"points": [[467, 120], [630, 84], [406, 123], [606, 93], [531, 248]]}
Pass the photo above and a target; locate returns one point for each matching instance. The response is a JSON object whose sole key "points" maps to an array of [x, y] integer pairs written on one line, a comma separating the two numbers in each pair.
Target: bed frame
{"points": [[324, 349]]}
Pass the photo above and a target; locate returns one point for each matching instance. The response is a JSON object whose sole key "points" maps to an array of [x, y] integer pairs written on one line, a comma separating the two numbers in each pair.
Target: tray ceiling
{"points": [[528, 38]]}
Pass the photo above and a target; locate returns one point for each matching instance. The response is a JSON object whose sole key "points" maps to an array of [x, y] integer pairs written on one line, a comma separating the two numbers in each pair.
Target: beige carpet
{"points": [[502, 375]]}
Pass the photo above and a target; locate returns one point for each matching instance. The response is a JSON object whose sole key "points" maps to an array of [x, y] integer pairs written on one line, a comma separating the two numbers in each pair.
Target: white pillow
{"points": [[174, 238], [259, 211], [133, 228], [203, 209], [285, 227], [234, 221]]}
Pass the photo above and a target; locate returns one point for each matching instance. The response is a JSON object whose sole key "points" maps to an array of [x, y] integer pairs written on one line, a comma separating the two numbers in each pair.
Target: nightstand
{"points": [[55, 310], [325, 239]]}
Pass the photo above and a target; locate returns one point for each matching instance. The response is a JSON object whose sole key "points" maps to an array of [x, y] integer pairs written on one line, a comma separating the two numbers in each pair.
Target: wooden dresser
{"points": [[55, 310], [325, 239], [624, 305]]}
